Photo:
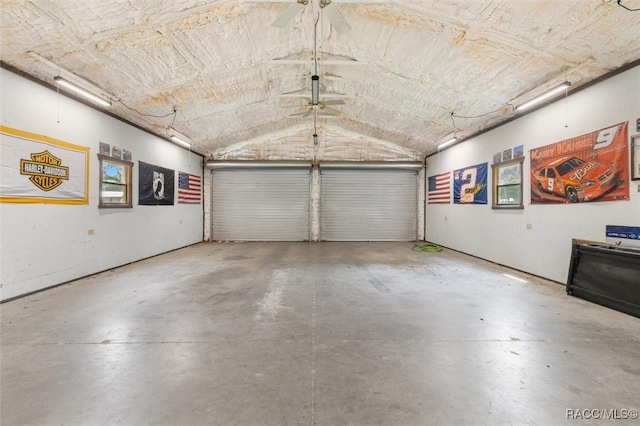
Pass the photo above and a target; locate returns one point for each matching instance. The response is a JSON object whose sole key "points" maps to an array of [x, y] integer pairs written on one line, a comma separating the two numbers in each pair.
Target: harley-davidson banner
{"points": [[591, 167], [39, 169]]}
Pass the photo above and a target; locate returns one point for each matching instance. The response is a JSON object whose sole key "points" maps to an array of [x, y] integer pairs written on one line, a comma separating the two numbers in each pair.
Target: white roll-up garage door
{"points": [[260, 203], [368, 203]]}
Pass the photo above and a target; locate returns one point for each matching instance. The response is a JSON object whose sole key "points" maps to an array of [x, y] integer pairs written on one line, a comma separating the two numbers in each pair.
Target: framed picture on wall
{"points": [[116, 152], [635, 157], [105, 148], [518, 151]]}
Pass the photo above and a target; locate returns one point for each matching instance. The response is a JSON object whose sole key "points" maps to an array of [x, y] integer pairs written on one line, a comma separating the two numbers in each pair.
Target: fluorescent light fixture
{"points": [[252, 164], [515, 278], [404, 165], [546, 95], [447, 143], [83, 92], [315, 87], [178, 137]]}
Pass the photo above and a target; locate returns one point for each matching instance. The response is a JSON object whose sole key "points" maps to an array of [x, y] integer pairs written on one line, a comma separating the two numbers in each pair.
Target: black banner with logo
{"points": [[155, 185]]}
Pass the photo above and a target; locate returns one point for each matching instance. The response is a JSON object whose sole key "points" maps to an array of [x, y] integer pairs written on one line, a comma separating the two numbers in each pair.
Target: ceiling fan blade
{"points": [[330, 76], [293, 10], [335, 17], [334, 102], [294, 95], [330, 111], [308, 112]]}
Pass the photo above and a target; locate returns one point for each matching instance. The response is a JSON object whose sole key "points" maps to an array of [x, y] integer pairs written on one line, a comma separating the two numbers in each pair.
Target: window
{"points": [[507, 185], [115, 183]]}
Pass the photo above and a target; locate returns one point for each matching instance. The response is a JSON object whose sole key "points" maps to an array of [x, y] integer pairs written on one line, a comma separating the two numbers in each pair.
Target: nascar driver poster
{"points": [[470, 185], [591, 167]]}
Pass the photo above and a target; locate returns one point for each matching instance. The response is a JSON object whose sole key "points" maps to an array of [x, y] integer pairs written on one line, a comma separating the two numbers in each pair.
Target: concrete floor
{"points": [[313, 334]]}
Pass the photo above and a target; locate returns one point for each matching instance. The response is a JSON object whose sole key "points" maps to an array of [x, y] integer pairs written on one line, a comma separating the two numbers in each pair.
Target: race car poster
{"points": [[156, 185], [591, 167], [470, 185]]}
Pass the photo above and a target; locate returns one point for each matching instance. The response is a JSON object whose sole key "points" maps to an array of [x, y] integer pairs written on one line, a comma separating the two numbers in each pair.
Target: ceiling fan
{"points": [[322, 108], [315, 104], [335, 17]]}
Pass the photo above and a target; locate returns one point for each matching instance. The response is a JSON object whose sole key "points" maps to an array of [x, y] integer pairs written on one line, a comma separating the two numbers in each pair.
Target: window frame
{"points": [[127, 199], [495, 171], [635, 157]]}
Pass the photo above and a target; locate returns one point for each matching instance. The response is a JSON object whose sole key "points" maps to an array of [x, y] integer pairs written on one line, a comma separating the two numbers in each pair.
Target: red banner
{"points": [[591, 167]]}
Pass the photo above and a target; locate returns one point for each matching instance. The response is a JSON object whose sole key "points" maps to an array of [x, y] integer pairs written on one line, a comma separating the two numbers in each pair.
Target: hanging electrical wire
{"points": [[485, 114], [453, 122], [175, 114], [628, 8], [471, 117], [146, 115]]}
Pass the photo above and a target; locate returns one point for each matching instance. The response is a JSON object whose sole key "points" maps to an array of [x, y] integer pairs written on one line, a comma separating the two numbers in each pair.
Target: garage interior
{"points": [[291, 289]]}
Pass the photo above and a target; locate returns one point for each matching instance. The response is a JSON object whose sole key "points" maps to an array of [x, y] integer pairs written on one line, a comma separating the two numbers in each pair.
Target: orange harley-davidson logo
{"points": [[45, 170]]}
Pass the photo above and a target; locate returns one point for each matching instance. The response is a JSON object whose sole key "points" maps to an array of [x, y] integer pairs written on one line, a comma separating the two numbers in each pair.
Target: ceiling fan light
{"points": [[315, 89]]}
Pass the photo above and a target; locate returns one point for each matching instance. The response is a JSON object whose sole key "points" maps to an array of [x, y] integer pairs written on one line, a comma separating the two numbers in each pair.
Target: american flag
{"points": [[440, 189], [189, 188]]}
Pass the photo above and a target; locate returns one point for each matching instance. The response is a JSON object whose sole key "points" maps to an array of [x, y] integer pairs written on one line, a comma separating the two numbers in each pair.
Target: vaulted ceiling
{"points": [[410, 73]]}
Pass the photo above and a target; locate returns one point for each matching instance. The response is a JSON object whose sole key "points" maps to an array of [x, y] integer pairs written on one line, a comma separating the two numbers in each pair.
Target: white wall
{"points": [[502, 236], [46, 244]]}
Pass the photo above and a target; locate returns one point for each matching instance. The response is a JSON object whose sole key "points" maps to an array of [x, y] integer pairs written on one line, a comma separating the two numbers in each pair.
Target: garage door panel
{"points": [[260, 204], [368, 205]]}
